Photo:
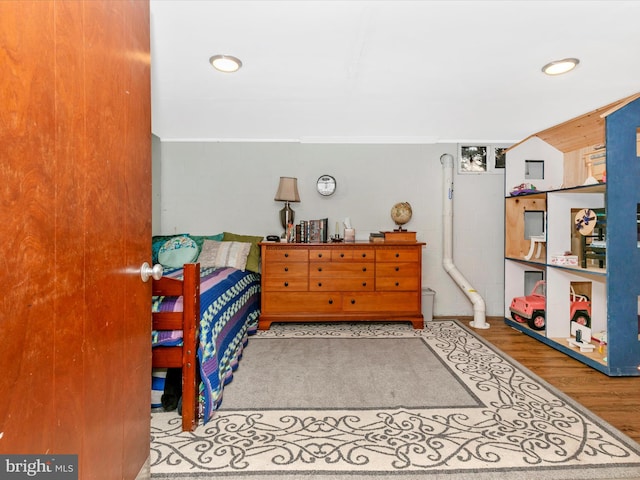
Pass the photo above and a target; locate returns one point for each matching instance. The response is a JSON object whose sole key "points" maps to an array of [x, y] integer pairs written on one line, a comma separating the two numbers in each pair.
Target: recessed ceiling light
{"points": [[225, 63], [559, 67]]}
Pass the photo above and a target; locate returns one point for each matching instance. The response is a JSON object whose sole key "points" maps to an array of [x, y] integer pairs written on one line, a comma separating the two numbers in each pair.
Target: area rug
{"points": [[373, 400]]}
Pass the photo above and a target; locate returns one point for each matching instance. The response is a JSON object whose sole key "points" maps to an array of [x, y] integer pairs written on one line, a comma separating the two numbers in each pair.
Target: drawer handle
{"points": [[319, 284], [364, 284], [319, 255], [330, 301], [342, 255], [397, 284], [286, 284], [364, 255], [397, 269], [286, 269], [319, 269], [353, 301], [286, 255], [397, 255], [364, 269]]}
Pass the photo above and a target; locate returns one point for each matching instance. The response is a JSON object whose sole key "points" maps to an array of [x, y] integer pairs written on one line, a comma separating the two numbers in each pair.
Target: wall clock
{"points": [[326, 185]]}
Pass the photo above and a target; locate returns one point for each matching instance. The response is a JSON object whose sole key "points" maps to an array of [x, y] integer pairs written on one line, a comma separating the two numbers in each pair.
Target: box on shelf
{"points": [[571, 260], [400, 236]]}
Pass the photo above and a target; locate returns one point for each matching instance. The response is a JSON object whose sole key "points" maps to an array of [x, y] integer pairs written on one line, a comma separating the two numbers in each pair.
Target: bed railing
{"points": [[184, 356]]}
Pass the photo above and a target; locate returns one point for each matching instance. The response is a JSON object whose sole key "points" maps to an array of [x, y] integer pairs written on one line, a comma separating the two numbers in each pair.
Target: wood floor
{"points": [[614, 399]]}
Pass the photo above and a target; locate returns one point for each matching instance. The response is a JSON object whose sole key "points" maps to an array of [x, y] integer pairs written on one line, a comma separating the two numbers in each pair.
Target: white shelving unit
{"points": [[562, 158]]}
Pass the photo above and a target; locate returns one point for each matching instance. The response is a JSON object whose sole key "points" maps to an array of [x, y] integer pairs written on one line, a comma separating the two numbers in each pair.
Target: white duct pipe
{"points": [[479, 309]]}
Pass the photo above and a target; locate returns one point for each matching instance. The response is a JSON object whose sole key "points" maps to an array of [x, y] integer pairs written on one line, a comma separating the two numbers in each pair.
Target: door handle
{"points": [[154, 272]]}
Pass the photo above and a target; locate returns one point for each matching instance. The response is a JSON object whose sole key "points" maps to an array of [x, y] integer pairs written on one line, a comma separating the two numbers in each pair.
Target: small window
{"points": [[500, 157], [531, 277], [534, 169], [480, 158], [473, 158], [533, 223]]}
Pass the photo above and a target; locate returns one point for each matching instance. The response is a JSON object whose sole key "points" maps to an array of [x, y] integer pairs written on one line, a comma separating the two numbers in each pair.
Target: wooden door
{"points": [[75, 226]]}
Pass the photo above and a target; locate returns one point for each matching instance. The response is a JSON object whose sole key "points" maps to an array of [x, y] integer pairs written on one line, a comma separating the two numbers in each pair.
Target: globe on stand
{"points": [[401, 214]]}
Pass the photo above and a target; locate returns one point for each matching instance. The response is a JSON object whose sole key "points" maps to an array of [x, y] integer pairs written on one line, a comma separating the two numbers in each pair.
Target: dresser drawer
{"points": [[341, 284], [281, 254], [302, 303], [398, 254], [397, 283], [350, 269], [353, 254], [400, 302], [396, 269], [319, 255], [286, 268], [285, 283], [393, 303]]}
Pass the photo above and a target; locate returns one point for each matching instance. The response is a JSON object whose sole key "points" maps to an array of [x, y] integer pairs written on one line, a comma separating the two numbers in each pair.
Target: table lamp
{"points": [[287, 192]]}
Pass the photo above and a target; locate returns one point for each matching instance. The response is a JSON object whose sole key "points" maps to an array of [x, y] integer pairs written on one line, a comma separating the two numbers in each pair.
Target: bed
{"points": [[202, 318]]}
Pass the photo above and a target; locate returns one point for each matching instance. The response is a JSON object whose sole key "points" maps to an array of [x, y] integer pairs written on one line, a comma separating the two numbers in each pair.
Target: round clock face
{"points": [[326, 185]]}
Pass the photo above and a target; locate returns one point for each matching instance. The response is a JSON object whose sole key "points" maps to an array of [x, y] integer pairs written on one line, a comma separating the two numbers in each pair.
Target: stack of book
{"points": [[376, 237], [312, 231]]}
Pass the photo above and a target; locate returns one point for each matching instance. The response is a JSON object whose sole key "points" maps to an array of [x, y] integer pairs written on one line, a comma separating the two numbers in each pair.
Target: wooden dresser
{"points": [[315, 282]]}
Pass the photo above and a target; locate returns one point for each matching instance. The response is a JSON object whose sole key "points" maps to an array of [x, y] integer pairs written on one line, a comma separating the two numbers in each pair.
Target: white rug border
{"points": [[601, 460]]}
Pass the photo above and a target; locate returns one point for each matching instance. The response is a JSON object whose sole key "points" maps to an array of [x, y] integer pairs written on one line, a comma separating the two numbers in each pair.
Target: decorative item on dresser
{"points": [[287, 192], [357, 281], [401, 213], [399, 236]]}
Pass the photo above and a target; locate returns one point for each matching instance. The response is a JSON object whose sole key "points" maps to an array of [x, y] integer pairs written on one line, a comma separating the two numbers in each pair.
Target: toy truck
{"points": [[580, 309], [530, 309]]}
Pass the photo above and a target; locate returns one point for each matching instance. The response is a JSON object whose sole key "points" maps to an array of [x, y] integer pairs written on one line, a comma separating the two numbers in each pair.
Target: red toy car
{"points": [[531, 308], [580, 309]]}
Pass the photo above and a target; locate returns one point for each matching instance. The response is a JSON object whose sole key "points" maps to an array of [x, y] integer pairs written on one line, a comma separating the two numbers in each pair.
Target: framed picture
{"points": [[473, 158], [480, 158]]}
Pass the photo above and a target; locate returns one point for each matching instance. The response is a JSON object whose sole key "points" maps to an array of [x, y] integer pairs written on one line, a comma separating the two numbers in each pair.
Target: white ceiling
{"points": [[386, 71]]}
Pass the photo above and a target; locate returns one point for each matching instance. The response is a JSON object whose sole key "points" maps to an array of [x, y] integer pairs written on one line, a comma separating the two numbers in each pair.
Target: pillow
{"points": [[253, 262], [157, 241], [177, 251], [224, 254], [199, 239]]}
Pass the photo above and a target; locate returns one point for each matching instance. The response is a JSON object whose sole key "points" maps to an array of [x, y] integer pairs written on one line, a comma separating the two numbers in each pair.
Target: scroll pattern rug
{"points": [[522, 428]]}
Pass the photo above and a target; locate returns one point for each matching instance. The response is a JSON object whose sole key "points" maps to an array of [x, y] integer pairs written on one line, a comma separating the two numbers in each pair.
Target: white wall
{"points": [[156, 179], [209, 187]]}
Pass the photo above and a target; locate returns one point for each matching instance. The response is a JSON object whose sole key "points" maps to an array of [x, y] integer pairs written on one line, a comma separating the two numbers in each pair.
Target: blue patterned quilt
{"points": [[229, 311]]}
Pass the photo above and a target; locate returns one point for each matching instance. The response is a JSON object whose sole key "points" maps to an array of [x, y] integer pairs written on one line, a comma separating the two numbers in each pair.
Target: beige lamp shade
{"points": [[287, 190]]}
